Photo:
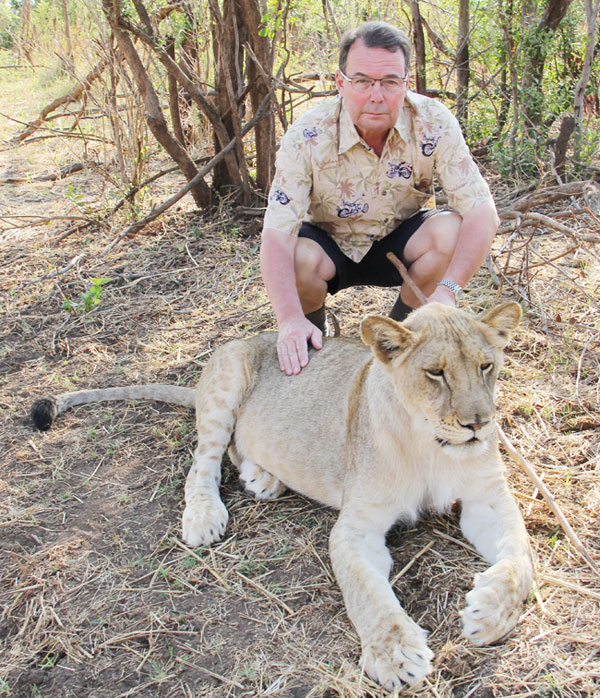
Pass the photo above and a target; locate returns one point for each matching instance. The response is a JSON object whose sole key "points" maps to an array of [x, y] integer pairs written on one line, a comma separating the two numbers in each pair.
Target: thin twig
{"points": [[402, 270], [549, 497]]}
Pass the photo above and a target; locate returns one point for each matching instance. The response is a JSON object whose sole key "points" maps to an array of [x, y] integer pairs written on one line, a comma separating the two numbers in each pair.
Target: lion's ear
{"points": [[502, 319], [386, 337]]}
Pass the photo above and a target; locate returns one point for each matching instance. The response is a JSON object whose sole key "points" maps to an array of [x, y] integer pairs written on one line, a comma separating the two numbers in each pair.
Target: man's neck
{"points": [[376, 141]]}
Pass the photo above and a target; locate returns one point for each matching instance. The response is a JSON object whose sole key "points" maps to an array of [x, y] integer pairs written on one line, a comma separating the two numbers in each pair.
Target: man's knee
{"points": [[438, 235], [444, 232], [312, 265]]}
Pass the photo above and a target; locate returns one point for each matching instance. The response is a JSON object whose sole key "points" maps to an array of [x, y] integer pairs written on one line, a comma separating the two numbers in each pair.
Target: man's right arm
{"points": [[279, 276]]}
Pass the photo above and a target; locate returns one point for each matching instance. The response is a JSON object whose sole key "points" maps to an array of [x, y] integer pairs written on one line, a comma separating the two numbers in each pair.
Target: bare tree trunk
{"points": [[505, 56], [592, 8], [154, 116], [260, 71], [70, 56], [565, 132], [462, 61], [228, 80], [24, 41], [419, 42], [227, 55], [174, 97], [535, 60], [509, 42]]}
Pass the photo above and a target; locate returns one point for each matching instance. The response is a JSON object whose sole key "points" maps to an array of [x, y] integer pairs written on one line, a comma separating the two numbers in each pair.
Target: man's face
{"points": [[374, 112]]}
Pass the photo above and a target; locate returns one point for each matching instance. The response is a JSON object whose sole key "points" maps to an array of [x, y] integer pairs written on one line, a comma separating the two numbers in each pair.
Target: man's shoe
{"points": [[400, 310], [325, 320]]}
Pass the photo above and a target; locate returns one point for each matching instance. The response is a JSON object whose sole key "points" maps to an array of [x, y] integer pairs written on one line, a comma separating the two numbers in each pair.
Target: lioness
{"points": [[380, 432]]}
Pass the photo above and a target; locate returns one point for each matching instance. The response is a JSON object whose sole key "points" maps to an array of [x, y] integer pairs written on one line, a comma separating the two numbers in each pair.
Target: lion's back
{"points": [[295, 427]]}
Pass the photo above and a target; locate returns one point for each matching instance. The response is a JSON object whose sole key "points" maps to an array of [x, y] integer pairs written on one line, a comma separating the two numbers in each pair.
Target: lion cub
{"points": [[380, 432]]}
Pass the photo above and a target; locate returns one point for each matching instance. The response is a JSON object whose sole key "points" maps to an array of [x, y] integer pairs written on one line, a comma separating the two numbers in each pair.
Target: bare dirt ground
{"points": [[99, 597]]}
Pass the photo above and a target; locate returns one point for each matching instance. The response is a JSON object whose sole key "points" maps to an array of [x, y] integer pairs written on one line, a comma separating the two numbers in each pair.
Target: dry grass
{"points": [[99, 597]]}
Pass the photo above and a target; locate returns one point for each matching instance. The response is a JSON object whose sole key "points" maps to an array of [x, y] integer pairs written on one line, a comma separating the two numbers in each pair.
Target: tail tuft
{"points": [[43, 412]]}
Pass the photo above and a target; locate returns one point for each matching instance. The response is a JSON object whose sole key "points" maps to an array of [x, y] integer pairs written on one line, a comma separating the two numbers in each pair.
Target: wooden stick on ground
{"points": [[511, 449], [549, 497]]}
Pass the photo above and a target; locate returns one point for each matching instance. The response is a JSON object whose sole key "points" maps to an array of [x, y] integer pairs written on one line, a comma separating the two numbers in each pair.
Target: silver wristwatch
{"points": [[453, 286]]}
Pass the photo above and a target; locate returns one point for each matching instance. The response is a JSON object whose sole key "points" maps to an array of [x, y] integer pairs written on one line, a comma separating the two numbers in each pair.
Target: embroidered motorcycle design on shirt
{"points": [[352, 208], [428, 145], [400, 169], [280, 196]]}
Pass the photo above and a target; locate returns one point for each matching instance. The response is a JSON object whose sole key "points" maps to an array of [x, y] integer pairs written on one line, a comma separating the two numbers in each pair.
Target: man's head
{"points": [[375, 35], [380, 51]]}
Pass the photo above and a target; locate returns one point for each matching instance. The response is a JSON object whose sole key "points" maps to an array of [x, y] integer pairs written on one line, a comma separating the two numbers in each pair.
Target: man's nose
{"points": [[376, 92]]}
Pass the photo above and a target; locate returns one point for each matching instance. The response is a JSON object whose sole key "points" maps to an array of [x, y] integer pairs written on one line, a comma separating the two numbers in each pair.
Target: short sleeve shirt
{"points": [[327, 175]]}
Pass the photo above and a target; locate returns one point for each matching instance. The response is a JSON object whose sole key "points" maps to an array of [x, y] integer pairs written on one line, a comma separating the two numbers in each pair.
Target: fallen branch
{"points": [[531, 218], [71, 96], [159, 210], [58, 272], [51, 177], [511, 450], [545, 196]]}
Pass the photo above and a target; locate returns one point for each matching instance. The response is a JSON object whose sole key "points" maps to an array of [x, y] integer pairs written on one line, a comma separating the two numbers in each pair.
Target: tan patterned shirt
{"points": [[327, 175]]}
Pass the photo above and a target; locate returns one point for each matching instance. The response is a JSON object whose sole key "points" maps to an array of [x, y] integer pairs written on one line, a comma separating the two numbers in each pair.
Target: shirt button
{"points": [[384, 192]]}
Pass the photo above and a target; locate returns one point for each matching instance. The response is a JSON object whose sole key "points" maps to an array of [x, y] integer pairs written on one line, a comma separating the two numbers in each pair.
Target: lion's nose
{"points": [[476, 425]]}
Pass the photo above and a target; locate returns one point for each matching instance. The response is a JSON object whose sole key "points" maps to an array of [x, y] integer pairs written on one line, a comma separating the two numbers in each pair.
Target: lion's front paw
{"points": [[397, 657], [493, 605], [204, 521], [259, 482]]}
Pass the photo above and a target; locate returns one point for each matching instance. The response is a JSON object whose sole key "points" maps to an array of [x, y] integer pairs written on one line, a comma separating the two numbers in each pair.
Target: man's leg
{"points": [[314, 268], [427, 254]]}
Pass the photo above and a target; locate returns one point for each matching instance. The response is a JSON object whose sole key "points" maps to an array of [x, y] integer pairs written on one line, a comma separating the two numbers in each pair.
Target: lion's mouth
{"points": [[445, 442]]}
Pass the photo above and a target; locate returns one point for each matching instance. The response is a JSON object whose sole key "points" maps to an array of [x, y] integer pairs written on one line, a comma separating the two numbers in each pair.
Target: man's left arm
{"points": [[468, 195], [475, 236]]}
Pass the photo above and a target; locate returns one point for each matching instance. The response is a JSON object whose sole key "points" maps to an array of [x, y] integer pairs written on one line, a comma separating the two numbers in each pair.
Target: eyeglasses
{"points": [[362, 83]]}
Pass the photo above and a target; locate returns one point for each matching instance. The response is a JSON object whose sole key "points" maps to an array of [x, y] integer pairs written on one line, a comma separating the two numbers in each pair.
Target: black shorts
{"points": [[374, 269]]}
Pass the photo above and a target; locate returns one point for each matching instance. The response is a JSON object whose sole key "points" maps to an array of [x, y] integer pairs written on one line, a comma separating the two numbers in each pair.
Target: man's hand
{"points": [[442, 294], [292, 344]]}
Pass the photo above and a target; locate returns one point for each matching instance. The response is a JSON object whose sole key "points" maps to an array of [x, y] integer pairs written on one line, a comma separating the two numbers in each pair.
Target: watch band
{"points": [[452, 285]]}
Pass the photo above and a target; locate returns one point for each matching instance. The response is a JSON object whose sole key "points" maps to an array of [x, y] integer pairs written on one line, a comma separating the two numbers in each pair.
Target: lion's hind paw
{"points": [[259, 482]]}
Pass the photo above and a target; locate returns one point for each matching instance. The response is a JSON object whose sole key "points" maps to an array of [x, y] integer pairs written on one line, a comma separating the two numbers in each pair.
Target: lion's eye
{"points": [[486, 368], [435, 373]]}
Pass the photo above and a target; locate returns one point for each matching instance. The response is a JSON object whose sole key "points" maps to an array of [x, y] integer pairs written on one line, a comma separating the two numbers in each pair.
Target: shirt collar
{"points": [[348, 135]]}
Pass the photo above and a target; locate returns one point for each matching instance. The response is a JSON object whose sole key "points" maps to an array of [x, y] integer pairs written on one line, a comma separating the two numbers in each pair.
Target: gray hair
{"points": [[375, 35]]}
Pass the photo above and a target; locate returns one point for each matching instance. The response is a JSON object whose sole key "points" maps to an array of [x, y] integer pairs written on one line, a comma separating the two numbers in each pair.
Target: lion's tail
{"points": [[45, 410]]}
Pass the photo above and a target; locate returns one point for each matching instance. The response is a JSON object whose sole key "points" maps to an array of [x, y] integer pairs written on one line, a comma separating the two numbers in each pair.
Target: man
{"points": [[352, 179]]}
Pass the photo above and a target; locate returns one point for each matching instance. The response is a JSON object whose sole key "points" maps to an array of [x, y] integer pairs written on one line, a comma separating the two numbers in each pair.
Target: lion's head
{"points": [[444, 363]]}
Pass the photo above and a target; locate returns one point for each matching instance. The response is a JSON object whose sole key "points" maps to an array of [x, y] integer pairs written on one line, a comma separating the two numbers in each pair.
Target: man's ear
{"points": [[386, 337], [502, 320], [339, 82]]}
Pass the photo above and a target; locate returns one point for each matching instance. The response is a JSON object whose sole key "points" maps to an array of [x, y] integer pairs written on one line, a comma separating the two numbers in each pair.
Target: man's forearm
{"points": [[278, 273], [475, 237]]}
